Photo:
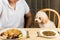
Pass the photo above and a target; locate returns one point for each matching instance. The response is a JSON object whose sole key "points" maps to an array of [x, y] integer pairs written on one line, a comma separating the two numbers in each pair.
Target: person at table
{"points": [[12, 14]]}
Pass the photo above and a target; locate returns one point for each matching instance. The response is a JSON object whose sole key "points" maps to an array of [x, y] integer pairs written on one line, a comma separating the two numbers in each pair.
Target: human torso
{"points": [[13, 17]]}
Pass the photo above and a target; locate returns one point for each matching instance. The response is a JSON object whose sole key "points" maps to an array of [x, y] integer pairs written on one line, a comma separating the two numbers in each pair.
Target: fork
{"points": [[28, 34]]}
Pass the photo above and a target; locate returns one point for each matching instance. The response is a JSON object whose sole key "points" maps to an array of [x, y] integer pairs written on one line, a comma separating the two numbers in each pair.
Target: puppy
{"points": [[43, 21]]}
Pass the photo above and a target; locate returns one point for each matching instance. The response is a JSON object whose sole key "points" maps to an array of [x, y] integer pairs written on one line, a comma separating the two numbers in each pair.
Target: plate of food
{"points": [[49, 33], [13, 33]]}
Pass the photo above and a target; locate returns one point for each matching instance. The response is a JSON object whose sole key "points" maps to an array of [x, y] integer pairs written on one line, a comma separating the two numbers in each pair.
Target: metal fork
{"points": [[28, 34]]}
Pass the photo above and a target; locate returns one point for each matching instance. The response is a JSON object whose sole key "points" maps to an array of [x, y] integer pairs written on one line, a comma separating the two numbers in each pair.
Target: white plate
{"points": [[41, 34], [22, 30]]}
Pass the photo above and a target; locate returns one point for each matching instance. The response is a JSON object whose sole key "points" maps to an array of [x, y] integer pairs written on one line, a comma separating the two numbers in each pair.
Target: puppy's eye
{"points": [[40, 18]]}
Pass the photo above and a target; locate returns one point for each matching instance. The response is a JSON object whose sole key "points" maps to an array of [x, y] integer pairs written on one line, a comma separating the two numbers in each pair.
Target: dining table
{"points": [[34, 35]]}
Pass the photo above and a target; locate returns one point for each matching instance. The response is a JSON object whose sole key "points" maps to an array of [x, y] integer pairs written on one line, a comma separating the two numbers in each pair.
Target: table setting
{"points": [[30, 34]]}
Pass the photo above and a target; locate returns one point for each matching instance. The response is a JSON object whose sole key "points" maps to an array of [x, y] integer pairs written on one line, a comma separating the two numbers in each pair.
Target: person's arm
{"points": [[28, 19], [28, 16]]}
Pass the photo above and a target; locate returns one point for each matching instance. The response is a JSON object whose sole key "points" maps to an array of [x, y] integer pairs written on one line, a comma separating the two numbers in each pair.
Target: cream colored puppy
{"points": [[43, 21]]}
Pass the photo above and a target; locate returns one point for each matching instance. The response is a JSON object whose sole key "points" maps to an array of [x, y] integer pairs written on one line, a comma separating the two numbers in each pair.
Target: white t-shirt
{"points": [[11, 18]]}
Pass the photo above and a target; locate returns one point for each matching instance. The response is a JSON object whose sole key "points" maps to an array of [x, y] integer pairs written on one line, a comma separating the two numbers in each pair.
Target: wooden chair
{"points": [[59, 22], [49, 11]]}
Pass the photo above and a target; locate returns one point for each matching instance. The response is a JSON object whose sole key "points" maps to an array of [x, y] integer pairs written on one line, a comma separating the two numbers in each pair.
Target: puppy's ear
{"points": [[45, 21]]}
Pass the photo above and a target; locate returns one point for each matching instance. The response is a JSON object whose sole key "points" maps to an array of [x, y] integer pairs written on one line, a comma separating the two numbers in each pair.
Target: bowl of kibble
{"points": [[49, 33]]}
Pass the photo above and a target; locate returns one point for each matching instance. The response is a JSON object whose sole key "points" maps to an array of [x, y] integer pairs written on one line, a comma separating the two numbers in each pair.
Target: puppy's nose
{"points": [[36, 21]]}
